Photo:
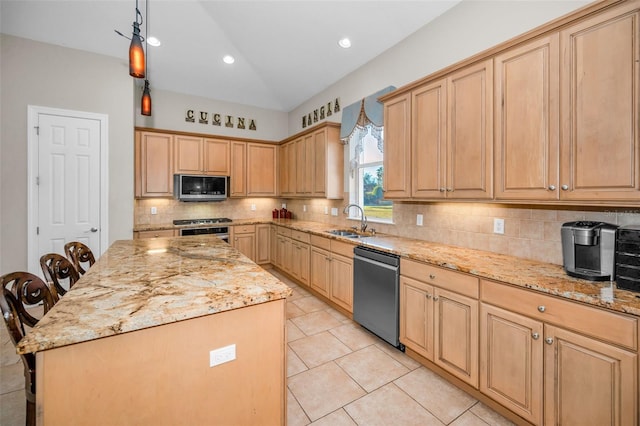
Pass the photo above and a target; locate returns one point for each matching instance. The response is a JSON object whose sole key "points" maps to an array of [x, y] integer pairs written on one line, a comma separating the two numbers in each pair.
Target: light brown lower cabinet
{"points": [[332, 271], [556, 362], [243, 238], [440, 325], [263, 244]]}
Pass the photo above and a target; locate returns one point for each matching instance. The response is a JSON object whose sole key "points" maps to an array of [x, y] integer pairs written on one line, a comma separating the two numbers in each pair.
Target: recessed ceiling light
{"points": [[228, 59], [154, 41], [345, 43]]}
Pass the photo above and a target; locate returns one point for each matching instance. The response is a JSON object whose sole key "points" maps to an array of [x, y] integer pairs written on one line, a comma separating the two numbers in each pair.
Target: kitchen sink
{"points": [[347, 233]]}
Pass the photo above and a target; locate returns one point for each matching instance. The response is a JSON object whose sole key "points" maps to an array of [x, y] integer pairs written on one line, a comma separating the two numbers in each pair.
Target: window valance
{"points": [[360, 113]]}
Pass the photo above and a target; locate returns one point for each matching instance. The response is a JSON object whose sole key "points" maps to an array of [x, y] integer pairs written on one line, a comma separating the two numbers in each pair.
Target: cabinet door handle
{"points": [[449, 189], [542, 308], [442, 189], [565, 187], [552, 187], [549, 340], [428, 296], [432, 276], [435, 298], [535, 336]]}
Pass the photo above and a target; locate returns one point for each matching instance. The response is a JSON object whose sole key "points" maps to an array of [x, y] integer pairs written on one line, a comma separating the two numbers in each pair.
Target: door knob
{"points": [[94, 229]]}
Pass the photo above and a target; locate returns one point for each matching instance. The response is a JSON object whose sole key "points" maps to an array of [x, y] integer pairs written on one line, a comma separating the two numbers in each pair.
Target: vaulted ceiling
{"points": [[285, 51]]}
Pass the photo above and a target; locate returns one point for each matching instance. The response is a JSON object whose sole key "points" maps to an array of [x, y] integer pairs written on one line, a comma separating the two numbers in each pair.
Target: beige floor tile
{"points": [[319, 348], [354, 336], [489, 416], [298, 293], [310, 304], [339, 316], [371, 367], [295, 413], [293, 310], [390, 406], [469, 419], [398, 355], [12, 377], [315, 322], [294, 363], [324, 389], [293, 332], [435, 394], [337, 418], [12, 408]]}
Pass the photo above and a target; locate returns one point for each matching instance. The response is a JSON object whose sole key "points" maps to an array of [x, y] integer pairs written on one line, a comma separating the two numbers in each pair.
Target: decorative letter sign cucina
{"points": [[230, 121]]}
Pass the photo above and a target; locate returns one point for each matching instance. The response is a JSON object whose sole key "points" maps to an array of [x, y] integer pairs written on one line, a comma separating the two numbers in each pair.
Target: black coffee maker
{"points": [[588, 250]]}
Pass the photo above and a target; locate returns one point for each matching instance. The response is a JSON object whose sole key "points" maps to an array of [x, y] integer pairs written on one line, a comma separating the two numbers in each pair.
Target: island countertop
{"points": [[144, 283]]}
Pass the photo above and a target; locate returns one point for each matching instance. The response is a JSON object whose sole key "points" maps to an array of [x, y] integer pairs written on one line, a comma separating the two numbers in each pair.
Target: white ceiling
{"points": [[286, 51]]}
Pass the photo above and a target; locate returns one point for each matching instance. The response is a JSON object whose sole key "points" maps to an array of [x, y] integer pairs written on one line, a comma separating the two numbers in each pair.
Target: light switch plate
{"points": [[222, 355], [154, 210], [253, 207], [334, 211], [326, 210], [498, 226], [419, 220], [304, 208]]}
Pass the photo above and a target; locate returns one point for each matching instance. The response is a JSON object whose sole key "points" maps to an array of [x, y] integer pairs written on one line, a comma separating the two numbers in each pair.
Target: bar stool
{"points": [[58, 269], [21, 290], [79, 254]]}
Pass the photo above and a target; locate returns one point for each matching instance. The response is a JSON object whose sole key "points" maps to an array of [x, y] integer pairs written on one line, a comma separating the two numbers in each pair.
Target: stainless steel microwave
{"points": [[200, 188]]}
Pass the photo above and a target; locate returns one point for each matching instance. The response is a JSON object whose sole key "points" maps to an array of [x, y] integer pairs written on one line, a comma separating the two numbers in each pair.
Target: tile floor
{"points": [[338, 374]]}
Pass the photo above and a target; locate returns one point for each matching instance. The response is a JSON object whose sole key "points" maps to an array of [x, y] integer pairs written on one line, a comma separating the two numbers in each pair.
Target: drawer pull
{"points": [[542, 308], [432, 277], [549, 340], [535, 336]]}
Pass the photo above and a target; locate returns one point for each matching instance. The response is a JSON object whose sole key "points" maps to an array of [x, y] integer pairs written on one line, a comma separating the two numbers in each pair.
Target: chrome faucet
{"points": [[363, 222]]}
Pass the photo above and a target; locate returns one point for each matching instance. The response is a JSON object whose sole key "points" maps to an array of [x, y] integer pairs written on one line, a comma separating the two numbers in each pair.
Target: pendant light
{"points": [[136, 53], [145, 105]]}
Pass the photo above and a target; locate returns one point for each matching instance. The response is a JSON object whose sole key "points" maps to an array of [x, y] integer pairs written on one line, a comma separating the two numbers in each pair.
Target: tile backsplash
{"points": [[531, 232]]}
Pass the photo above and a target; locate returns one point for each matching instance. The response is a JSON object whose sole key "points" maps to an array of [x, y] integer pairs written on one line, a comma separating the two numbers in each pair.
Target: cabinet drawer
{"points": [[345, 249], [303, 237], [449, 280], [244, 229], [155, 234], [321, 242], [285, 232], [604, 325]]}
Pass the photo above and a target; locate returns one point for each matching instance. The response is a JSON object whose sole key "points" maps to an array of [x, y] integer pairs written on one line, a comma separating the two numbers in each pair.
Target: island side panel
{"points": [[161, 375]]}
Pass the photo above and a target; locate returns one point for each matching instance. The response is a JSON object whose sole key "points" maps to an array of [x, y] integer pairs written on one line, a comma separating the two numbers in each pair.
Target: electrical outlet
{"points": [[326, 210], [222, 355], [284, 205], [419, 220], [154, 210], [304, 208], [498, 226], [334, 211], [253, 207]]}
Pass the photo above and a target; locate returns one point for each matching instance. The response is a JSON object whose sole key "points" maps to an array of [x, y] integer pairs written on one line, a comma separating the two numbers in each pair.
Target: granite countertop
{"points": [[144, 283], [538, 276]]}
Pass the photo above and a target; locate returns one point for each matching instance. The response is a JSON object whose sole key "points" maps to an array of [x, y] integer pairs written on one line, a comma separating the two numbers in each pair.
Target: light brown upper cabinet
{"points": [[196, 155], [397, 147], [153, 164], [526, 121], [451, 138], [261, 170], [312, 163], [238, 178], [600, 86]]}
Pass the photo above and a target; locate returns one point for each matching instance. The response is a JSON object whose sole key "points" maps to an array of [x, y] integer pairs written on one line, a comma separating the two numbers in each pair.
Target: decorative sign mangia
{"points": [[216, 120], [321, 113]]}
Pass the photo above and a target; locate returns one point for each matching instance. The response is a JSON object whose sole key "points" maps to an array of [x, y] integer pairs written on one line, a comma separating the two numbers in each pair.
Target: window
{"points": [[367, 170]]}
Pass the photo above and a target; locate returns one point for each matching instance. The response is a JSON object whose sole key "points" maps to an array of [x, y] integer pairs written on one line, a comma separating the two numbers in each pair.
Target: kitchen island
{"points": [[131, 342]]}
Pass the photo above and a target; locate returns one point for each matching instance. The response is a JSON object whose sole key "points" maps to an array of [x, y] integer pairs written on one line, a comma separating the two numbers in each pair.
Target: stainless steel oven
{"points": [[221, 232]]}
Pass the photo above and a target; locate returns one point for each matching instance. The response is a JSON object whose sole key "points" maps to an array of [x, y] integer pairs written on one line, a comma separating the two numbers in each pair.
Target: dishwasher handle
{"points": [[373, 262]]}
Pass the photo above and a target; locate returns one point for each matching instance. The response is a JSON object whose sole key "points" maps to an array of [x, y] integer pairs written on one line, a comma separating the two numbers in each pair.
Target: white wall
{"points": [[40, 74], [464, 30], [169, 109]]}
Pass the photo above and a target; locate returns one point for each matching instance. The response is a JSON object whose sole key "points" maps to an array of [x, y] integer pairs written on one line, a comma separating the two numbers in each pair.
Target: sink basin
{"points": [[347, 233]]}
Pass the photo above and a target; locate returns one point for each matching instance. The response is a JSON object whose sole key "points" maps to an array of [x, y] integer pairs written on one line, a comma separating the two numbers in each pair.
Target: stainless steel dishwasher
{"points": [[376, 293]]}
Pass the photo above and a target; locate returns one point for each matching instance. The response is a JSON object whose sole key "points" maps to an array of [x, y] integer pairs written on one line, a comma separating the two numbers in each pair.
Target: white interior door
{"points": [[67, 177]]}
